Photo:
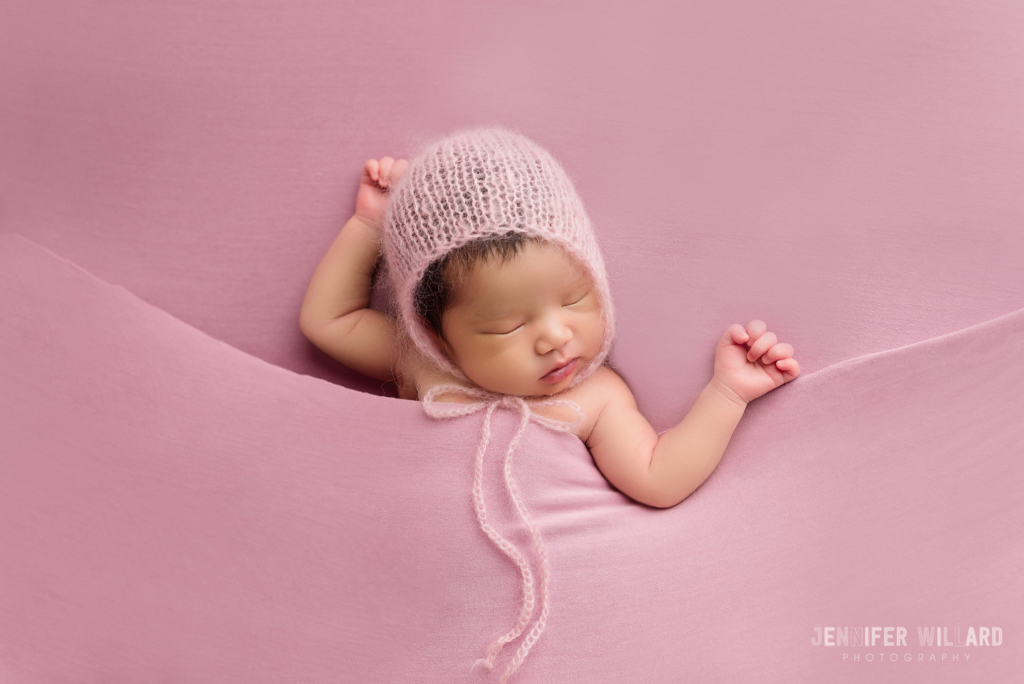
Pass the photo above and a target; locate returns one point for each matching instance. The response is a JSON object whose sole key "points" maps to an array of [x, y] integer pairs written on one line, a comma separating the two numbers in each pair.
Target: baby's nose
{"points": [[554, 336]]}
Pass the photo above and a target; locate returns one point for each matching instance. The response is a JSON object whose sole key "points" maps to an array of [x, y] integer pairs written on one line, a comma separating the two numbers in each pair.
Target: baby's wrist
{"points": [[366, 222], [365, 227], [726, 393]]}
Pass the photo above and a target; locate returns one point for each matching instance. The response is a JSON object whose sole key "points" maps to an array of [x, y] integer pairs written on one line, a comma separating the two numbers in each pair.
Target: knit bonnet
{"points": [[482, 183]]}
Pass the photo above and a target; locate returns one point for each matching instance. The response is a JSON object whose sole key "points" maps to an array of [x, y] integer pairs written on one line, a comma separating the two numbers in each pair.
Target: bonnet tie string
{"points": [[488, 402]]}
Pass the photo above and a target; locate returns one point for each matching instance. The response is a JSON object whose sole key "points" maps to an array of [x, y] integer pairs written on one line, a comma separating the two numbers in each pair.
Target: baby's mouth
{"points": [[560, 373]]}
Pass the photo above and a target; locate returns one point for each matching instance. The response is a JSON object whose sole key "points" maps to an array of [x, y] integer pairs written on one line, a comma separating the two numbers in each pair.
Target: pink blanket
{"points": [[173, 509]]}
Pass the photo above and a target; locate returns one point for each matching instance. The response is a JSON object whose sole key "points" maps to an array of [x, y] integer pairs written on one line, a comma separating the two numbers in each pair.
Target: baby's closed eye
{"points": [[503, 328], [578, 298]]}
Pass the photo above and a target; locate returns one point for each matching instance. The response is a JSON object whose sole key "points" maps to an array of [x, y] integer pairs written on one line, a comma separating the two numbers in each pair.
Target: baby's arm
{"points": [[663, 470], [335, 314]]}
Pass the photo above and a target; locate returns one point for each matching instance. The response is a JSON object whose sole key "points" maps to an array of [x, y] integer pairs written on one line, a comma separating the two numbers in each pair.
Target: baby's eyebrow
{"points": [[493, 316]]}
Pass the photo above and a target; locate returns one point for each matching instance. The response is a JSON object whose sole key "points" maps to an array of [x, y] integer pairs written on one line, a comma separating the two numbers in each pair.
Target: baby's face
{"points": [[526, 326]]}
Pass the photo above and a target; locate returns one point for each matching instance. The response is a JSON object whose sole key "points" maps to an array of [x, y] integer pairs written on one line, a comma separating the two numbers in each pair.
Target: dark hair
{"points": [[437, 289]]}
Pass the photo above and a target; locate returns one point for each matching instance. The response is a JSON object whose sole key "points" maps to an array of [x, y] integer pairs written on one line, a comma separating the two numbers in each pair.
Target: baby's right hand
{"points": [[378, 178], [750, 362]]}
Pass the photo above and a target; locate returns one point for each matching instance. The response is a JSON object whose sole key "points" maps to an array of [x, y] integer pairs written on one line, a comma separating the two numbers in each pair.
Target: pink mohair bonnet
{"points": [[482, 183]]}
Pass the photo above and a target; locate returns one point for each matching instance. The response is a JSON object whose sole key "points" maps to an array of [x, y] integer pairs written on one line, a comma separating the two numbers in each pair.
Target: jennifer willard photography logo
{"points": [[943, 644]]}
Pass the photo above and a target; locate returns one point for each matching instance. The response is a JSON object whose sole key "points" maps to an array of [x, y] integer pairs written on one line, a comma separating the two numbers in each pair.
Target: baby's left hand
{"points": [[751, 362]]}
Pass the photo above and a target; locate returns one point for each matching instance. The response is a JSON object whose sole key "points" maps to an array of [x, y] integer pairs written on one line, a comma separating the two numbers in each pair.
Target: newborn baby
{"points": [[502, 295], [501, 286]]}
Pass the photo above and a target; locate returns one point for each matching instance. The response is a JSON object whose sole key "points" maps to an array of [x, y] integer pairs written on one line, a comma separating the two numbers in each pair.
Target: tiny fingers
{"points": [[399, 169], [761, 344], [756, 328], [385, 171], [372, 169], [777, 353], [735, 334], [788, 366]]}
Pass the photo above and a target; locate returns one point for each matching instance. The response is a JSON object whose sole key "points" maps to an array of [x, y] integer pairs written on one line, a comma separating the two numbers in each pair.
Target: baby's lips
{"points": [[564, 369]]}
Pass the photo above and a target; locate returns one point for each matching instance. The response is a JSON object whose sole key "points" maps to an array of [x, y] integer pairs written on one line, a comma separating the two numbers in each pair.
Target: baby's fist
{"points": [[379, 176], [750, 362]]}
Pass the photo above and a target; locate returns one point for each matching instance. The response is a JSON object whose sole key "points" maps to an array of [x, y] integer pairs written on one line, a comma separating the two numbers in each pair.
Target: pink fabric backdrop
{"points": [[850, 173]]}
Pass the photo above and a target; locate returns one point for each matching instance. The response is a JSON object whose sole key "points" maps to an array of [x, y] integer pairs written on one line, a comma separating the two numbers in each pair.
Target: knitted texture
{"points": [[476, 184]]}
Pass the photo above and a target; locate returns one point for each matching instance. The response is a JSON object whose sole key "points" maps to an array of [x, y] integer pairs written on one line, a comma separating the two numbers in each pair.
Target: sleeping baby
{"points": [[503, 301]]}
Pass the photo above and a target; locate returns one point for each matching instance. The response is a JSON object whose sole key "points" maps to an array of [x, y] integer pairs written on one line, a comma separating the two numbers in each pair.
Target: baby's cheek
{"points": [[490, 349], [593, 334], [512, 356], [502, 370], [493, 356]]}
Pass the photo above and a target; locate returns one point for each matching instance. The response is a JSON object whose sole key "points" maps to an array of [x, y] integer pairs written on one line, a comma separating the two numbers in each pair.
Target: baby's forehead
{"points": [[536, 273]]}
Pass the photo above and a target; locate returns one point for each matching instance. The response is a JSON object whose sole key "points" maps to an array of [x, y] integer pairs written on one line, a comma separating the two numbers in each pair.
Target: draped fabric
{"points": [[173, 508]]}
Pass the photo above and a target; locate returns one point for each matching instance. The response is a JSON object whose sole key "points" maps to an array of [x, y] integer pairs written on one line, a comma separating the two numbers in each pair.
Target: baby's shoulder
{"points": [[603, 388]]}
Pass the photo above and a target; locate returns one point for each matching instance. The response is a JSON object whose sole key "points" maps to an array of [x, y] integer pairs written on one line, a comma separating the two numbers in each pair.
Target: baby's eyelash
{"points": [[580, 299], [507, 332]]}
